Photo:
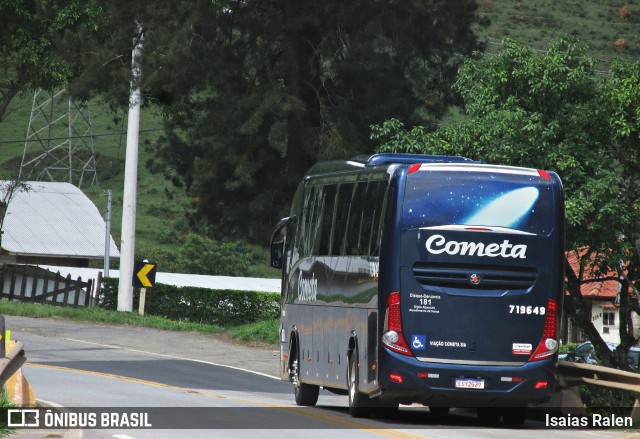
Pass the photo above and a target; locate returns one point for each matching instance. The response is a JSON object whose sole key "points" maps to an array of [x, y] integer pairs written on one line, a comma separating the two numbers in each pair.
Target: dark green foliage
{"points": [[255, 92], [264, 330], [550, 111], [201, 255], [568, 347], [199, 305], [5, 403], [34, 39]]}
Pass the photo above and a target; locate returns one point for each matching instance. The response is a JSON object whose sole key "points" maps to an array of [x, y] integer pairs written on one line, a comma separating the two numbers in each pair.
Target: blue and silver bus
{"points": [[422, 279]]}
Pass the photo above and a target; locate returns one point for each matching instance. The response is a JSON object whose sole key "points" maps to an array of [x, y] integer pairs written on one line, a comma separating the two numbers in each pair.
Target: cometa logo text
{"points": [[438, 244], [307, 288]]}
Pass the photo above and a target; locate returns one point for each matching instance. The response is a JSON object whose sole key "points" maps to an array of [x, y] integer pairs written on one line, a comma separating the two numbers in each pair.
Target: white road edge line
{"points": [[50, 403], [174, 357]]}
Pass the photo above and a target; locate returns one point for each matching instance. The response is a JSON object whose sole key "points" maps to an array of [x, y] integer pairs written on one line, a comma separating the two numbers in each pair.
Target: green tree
{"points": [[35, 37], [549, 110], [201, 255], [255, 91]]}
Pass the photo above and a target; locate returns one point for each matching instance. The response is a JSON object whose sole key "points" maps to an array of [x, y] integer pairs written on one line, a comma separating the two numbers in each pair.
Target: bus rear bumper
{"points": [[408, 380]]}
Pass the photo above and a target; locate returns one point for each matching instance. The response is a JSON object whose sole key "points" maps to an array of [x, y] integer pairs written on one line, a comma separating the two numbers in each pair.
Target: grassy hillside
{"points": [[160, 218], [161, 222], [609, 27]]}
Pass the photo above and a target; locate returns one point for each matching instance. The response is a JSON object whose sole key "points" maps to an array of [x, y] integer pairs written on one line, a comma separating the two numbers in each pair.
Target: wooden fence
{"points": [[29, 283]]}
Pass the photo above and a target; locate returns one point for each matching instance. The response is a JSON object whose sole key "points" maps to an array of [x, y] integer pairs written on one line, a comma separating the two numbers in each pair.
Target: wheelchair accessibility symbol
{"points": [[418, 342]]}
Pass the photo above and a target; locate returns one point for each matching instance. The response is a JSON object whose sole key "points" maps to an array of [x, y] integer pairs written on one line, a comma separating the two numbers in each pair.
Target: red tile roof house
{"points": [[601, 291]]}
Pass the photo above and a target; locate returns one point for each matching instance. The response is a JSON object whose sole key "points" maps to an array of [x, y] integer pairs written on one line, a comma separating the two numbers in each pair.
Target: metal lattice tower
{"points": [[59, 144]]}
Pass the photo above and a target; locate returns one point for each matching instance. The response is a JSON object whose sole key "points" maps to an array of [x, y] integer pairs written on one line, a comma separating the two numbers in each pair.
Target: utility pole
{"points": [[107, 236], [127, 240]]}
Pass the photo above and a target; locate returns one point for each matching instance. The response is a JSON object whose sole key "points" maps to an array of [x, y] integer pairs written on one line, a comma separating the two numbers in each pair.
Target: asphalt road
{"points": [[182, 380]]}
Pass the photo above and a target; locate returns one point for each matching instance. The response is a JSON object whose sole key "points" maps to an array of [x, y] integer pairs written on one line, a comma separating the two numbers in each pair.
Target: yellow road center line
{"points": [[317, 414]]}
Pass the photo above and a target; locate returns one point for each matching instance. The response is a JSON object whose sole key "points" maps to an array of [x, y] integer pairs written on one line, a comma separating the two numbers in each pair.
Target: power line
{"points": [[74, 137]]}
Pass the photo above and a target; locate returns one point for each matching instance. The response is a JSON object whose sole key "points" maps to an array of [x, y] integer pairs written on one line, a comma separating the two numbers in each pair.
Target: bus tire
{"points": [[359, 406], [305, 394]]}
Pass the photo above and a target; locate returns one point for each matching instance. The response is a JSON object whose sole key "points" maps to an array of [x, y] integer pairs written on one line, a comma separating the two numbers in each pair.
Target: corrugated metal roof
{"points": [[54, 219]]}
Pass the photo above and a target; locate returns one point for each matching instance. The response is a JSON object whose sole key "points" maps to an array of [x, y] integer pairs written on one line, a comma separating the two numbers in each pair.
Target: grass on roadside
{"points": [[264, 330], [5, 403], [254, 332]]}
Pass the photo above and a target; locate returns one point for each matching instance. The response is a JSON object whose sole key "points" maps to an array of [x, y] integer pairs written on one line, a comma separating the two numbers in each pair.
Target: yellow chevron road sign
{"points": [[144, 274]]}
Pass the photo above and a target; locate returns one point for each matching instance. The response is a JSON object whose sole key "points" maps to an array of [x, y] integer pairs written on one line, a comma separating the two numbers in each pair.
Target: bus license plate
{"points": [[469, 383]]}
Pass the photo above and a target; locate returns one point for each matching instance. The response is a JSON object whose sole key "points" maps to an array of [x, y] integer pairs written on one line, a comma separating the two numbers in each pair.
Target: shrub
{"points": [[621, 45], [201, 255], [200, 305], [624, 12], [568, 347]]}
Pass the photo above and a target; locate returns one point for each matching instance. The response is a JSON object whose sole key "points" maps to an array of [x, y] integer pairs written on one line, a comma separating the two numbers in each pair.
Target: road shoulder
{"points": [[212, 348]]}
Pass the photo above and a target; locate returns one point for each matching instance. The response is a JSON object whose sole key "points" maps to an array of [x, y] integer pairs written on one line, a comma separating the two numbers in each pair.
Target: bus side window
{"points": [[324, 246], [383, 192], [314, 220], [311, 218], [355, 241], [342, 212], [367, 218], [378, 200], [302, 231]]}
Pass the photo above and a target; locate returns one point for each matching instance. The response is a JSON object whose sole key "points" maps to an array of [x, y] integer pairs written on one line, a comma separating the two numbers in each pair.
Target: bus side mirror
{"points": [[278, 240]]}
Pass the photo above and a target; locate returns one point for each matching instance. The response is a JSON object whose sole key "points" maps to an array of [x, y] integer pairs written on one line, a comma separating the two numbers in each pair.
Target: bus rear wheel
{"points": [[359, 406], [305, 394]]}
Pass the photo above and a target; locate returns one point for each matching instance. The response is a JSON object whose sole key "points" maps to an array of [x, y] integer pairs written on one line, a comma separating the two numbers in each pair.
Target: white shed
{"points": [[53, 223]]}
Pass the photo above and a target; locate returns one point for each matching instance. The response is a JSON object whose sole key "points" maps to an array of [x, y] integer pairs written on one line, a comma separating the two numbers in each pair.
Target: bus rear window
{"points": [[438, 198]]}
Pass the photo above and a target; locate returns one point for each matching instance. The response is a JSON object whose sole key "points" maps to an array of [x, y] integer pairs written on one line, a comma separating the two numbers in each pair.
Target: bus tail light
{"points": [[541, 385], [396, 378], [392, 333], [544, 174], [548, 342]]}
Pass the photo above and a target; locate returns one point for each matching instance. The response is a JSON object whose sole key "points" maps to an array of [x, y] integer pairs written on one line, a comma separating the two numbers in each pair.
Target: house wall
{"points": [[610, 333], [570, 333], [601, 319], [43, 260]]}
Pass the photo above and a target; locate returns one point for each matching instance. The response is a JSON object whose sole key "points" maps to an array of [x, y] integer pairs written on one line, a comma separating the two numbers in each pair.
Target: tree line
{"points": [[549, 110], [252, 92]]}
